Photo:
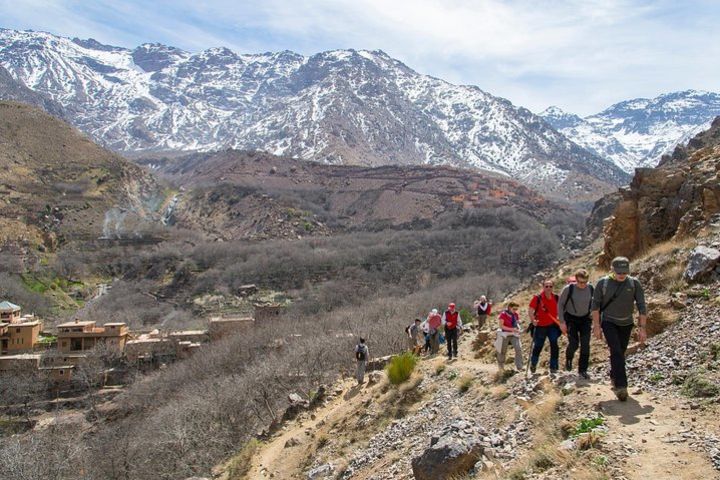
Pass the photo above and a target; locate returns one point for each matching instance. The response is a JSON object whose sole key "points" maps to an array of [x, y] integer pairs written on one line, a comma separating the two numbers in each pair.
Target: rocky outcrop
{"points": [[676, 199], [703, 261], [451, 454]]}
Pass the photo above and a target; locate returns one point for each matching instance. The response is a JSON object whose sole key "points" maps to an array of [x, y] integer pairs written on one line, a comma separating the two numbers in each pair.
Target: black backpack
{"points": [[360, 352]]}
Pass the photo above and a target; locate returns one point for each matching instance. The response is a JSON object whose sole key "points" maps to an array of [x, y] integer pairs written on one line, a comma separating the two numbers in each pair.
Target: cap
{"points": [[620, 265], [434, 310]]}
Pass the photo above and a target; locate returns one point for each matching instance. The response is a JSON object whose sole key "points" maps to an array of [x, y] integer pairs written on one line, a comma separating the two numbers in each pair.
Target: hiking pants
{"points": [[434, 342], [451, 337], [552, 333], [481, 321], [617, 338], [360, 373], [426, 347], [578, 334], [518, 352]]}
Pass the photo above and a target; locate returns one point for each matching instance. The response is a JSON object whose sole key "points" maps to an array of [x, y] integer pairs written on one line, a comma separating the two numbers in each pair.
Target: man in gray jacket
{"points": [[574, 315], [614, 300]]}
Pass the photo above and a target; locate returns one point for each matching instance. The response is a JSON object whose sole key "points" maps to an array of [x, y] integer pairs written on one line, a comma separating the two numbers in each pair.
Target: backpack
{"points": [[487, 310], [603, 289], [570, 299], [360, 352]]}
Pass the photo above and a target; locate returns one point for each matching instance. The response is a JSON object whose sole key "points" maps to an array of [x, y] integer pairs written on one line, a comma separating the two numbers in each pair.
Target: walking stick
{"points": [[532, 347]]}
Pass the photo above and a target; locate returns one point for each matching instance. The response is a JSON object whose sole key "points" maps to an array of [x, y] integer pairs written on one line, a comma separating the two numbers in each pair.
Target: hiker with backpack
{"points": [[426, 337], [509, 333], [614, 301], [453, 326], [434, 321], [361, 356], [574, 308], [483, 308], [542, 313], [414, 333]]}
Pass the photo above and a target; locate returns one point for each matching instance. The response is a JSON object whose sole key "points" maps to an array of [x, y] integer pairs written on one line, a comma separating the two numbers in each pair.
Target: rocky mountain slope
{"points": [[339, 107], [13, 90], [459, 419], [636, 133], [57, 185], [234, 194], [677, 199]]}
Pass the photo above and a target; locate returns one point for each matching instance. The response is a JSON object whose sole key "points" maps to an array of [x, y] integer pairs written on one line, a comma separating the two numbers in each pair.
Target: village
{"points": [[56, 354]]}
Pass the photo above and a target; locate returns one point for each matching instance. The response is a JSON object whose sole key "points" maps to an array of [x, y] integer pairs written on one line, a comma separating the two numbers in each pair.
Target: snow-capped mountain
{"points": [[344, 106], [636, 133]]}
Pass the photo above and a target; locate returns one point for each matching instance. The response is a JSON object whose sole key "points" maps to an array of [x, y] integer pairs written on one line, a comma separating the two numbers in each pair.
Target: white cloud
{"points": [[581, 55]]}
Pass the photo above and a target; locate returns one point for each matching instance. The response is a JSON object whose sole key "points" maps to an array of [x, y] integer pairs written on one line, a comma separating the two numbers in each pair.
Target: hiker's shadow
{"points": [[628, 411], [353, 391]]}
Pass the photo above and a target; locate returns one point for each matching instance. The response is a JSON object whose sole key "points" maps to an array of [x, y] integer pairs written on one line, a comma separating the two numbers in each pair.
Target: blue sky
{"points": [[580, 55]]}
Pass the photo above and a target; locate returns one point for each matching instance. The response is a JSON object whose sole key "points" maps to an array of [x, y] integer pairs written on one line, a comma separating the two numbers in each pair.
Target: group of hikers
{"points": [[581, 310]]}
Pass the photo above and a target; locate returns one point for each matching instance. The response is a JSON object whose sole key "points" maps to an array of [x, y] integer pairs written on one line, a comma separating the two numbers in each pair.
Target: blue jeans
{"points": [[552, 333]]}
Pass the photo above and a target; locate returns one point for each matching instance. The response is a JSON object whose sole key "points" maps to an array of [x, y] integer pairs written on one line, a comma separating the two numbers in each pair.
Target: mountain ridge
{"points": [[356, 107], [637, 132]]}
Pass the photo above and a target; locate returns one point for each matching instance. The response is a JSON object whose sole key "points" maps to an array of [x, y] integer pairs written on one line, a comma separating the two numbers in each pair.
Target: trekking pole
{"points": [[532, 347]]}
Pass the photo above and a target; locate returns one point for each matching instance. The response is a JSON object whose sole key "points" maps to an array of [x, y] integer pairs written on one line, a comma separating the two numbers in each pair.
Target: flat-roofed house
{"points": [[80, 336], [18, 333], [27, 362], [219, 327]]}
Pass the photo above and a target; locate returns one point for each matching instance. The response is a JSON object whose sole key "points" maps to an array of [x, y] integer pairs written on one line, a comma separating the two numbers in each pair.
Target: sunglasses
{"points": [[548, 286]]}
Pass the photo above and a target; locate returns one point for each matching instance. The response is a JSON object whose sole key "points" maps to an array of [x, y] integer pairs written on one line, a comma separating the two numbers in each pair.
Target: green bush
{"points": [[401, 367], [698, 386], [587, 425]]}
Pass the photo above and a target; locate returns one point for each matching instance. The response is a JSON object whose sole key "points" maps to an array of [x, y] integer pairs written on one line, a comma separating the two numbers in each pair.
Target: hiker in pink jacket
{"points": [[434, 321]]}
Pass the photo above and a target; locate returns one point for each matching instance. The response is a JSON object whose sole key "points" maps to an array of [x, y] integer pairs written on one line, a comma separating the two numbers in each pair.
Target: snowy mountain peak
{"points": [[559, 118], [637, 132], [341, 106]]}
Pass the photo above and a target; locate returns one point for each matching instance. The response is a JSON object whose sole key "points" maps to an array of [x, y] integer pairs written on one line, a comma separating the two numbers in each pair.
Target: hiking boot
{"points": [[553, 371], [585, 375], [568, 365], [621, 394], [532, 368]]}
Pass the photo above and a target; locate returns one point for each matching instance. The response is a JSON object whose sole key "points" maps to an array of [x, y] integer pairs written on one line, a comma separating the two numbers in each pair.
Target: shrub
{"points": [[240, 463], [587, 425], [715, 351], [697, 385], [466, 382], [401, 367]]}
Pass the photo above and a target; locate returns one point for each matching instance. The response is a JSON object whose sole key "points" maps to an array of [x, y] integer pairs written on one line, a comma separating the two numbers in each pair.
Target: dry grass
{"points": [[465, 382], [665, 248], [239, 465]]}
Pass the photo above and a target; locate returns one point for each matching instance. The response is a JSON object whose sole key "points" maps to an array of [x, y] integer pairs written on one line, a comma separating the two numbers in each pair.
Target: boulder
{"points": [[701, 263], [323, 471], [378, 363], [449, 457], [374, 377]]}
